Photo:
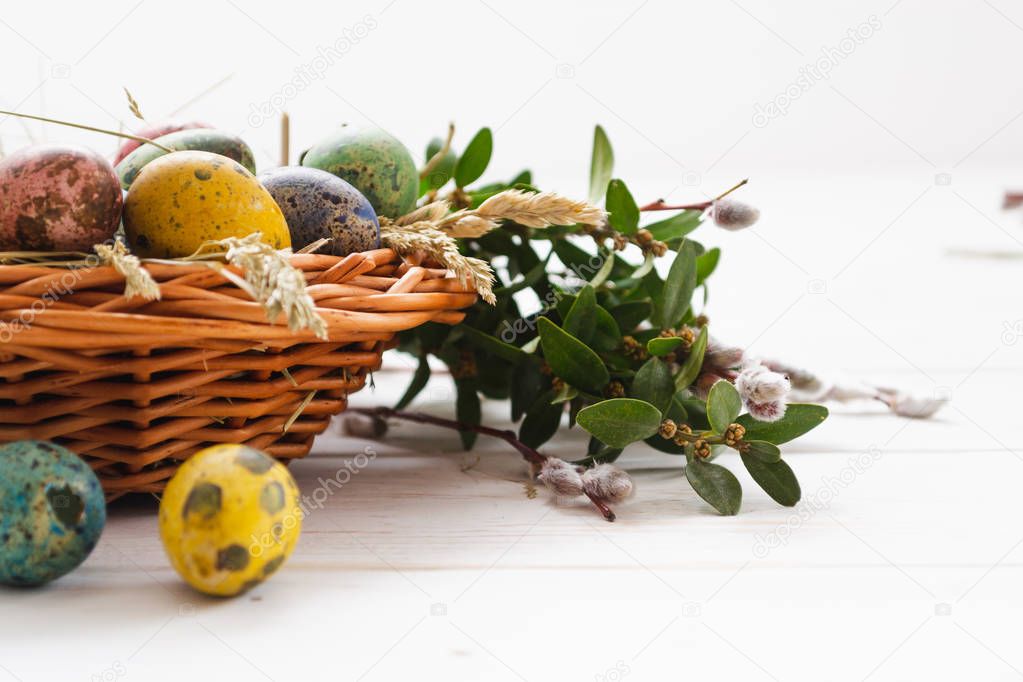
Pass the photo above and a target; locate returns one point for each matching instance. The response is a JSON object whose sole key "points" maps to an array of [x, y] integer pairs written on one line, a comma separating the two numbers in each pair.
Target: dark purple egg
{"points": [[57, 198], [317, 204]]}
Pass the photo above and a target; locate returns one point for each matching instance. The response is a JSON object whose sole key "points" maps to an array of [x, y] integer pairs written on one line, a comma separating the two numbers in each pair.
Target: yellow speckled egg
{"points": [[183, 199], [229, 518]]}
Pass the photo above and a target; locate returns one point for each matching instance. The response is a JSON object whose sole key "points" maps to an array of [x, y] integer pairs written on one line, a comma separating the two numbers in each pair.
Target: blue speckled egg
{"points": [[52, 512], [318, 204]]}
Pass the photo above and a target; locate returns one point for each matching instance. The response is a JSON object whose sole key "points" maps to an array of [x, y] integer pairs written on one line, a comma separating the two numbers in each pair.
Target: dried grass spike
{"points": [[539, 209], [137, 280], [134, 106], [271, 279]]}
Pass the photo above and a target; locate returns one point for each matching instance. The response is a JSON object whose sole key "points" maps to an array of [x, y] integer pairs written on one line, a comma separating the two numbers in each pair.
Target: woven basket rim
{"points": [[362, 294]]}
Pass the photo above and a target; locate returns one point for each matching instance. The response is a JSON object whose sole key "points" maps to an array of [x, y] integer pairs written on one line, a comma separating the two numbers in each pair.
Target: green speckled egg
{"points": [[320, 205], [374, 162], [199, 139], [51, 512]]}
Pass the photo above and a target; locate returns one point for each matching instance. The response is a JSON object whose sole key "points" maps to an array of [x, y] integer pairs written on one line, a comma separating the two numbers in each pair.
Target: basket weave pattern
{"points": [[137, 386]]}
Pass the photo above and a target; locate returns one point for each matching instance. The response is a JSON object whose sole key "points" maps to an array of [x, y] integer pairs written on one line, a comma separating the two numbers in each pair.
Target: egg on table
{"points": [[317, 205], [202, 139], [183, 199], [52, 512], [377, 164], [229, 519], [57, 198], [153, 131]]}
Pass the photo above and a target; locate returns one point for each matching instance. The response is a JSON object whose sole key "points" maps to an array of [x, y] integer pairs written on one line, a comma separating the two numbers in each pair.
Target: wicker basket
{"points": [[137, 386]]}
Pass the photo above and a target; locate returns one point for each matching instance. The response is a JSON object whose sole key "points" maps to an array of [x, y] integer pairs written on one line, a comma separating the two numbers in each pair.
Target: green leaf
{"points": [[706, 263], [467, 409], [696, 412], [799, 418], [526, 381], [676, 226], [522, 179], [716, 485], [620, 421], [418, 383], [661, 345], [565, 394], [691, 367], [475, 159], [762, 450], [776, 478], [441, 173], [542, 420], [606, 334], [582, 316], [573, 257], [678, 286], [621, 207], [601, 165], [630, 315], [492, 344], [571, 359], [723, 406], [647, 266], [605, 270], [529, 278], [653, 383]]}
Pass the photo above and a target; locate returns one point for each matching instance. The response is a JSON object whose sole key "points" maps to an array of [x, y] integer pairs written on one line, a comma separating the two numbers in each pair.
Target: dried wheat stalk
{"points": [[432, 230], [423, 237]]}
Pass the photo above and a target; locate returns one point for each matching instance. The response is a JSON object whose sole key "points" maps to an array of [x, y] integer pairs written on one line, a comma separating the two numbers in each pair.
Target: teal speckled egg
{"points": [[374, 162], [52, 512]]}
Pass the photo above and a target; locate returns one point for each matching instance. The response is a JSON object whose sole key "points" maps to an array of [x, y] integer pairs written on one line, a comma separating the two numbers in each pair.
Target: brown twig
{"points": [[660, 204], [529, 454]]}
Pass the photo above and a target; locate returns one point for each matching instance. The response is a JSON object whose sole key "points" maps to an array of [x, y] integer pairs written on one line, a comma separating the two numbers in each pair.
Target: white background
{"points": [[882, 252]]}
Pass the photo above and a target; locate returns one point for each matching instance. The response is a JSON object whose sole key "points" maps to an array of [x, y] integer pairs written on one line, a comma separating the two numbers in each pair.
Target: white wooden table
{"points": [[902, 562]]}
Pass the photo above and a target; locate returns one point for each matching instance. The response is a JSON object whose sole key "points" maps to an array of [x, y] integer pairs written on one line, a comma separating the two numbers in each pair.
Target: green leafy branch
{"points": [[616, 344]]}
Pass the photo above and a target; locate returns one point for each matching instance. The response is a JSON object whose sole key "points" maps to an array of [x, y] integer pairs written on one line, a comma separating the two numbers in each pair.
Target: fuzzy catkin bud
{"points": [[668, 429], [770, 411], [701, 449], [721, 355], [561, 478], [733, 215], [756, 383], [608, 483], [363, 426], [915, 406]]}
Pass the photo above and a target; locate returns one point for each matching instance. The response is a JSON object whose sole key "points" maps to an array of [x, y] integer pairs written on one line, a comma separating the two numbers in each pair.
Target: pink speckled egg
{"points": [[57, 198], [153, 131]]}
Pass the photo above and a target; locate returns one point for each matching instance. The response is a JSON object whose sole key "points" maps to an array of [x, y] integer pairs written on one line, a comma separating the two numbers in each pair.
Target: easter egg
{"points": [[229, 519], [317, 204], [183, 199], [203, 139], [151, 132], [377, 165], [57, 198], [52, 512]]}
